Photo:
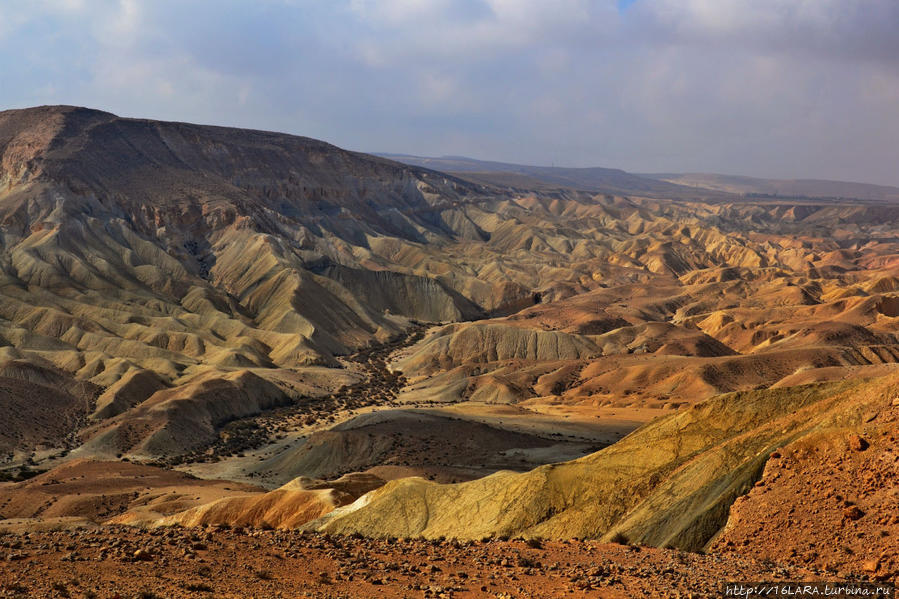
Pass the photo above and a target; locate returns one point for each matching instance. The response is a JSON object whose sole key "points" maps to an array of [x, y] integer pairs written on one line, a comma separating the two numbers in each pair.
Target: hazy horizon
{"points": [[770, 88]]}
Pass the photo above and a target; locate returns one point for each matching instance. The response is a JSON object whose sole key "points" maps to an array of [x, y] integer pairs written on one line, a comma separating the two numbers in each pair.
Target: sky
{"points": [[770, 88]]}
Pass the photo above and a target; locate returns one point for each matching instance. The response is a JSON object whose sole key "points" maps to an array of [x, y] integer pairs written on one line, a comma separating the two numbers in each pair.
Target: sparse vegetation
{"points": [[534, 542]]}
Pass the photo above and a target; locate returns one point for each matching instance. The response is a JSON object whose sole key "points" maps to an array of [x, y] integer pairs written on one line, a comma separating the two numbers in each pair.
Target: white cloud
{"points": [[767, 87]]}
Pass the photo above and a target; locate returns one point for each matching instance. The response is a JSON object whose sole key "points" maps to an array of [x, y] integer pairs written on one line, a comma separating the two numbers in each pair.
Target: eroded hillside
{"points": [[386, 349]]}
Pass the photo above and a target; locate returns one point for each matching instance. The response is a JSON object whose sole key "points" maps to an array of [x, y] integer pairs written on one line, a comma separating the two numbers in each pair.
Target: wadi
{"points": [[241, 363]]}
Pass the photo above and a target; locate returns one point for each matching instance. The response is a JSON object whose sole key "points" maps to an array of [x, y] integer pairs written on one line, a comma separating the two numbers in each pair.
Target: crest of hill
{"points": [[480, 343], [128, 162], [289, 506]]}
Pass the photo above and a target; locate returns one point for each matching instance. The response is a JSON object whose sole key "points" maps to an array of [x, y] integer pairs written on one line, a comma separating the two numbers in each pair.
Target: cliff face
{"points": [[155, 171], [180, 186]]}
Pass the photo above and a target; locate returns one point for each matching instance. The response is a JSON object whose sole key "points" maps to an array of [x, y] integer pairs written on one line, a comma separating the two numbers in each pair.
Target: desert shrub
{"points": [[534, 543]]}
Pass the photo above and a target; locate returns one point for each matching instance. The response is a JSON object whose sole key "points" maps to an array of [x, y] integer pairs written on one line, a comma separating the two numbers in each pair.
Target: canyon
{"points": [[205, 329]]}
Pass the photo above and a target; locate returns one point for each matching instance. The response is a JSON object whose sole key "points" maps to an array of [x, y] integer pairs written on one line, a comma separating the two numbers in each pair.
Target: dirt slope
{"points": [[831, 498], [98, 491]]}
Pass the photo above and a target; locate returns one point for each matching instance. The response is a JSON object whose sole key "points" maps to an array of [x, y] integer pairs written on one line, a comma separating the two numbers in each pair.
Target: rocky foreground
{"points": [[127, 562]]}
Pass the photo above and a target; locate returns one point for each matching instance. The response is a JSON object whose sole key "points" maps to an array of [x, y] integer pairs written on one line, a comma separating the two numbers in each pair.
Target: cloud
{"points": [[832, 29], [762, 87]]}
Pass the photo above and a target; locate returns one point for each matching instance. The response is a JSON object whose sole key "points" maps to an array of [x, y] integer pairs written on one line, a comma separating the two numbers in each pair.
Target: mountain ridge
{"points": [[591, 179], [693, 185], [806, 187]]}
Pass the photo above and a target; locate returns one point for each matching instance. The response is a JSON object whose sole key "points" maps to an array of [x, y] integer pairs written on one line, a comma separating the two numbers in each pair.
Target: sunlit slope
{"points": [[669, 484], [289, 506]]}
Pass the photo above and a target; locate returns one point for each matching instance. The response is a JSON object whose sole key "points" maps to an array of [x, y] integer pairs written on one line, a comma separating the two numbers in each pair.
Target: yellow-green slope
{"points": [[669, 484]]}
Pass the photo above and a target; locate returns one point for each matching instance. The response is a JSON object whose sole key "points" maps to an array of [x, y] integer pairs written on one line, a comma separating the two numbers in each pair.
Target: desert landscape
{"points": [[237, 363]]}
